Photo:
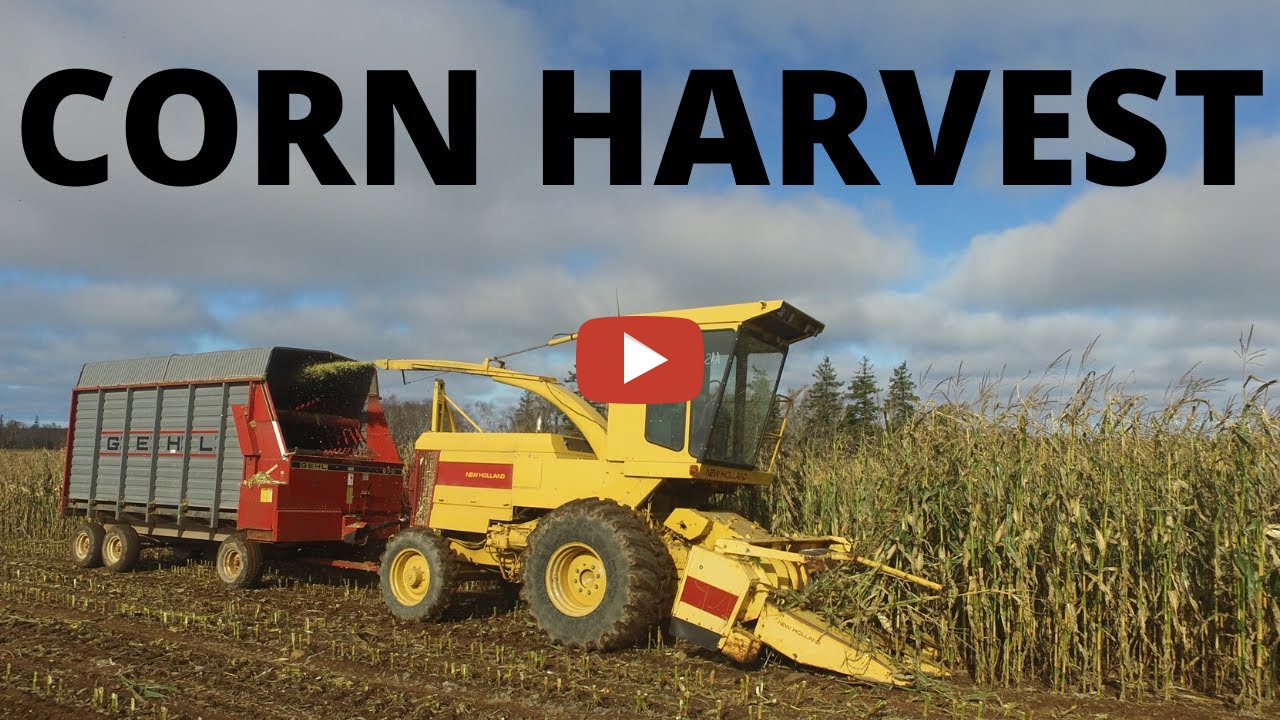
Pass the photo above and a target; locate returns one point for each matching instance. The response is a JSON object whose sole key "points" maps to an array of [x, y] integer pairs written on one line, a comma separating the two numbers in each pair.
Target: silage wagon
{"points": [[267, 451]]}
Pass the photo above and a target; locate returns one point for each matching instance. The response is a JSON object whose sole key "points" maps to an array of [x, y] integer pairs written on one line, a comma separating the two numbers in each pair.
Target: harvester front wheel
{"points": [[86, 544], [596, 575], [120, 548], [418, 575], [239, 562]]}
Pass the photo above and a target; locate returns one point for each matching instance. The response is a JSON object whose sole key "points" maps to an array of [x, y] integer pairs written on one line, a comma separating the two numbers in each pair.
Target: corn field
{"points": [[1087, 544], [1091, 545], [30, 492]]}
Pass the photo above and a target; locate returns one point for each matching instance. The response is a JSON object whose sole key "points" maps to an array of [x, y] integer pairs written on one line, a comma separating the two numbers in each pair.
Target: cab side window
{"points": [[664, 425]]}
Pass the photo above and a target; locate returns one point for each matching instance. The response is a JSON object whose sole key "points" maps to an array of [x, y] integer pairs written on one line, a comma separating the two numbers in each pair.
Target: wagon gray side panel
{"points": [[141, 435], [139, 447], [84, 450], [106, 486], [169, 450], [156, 436], [210, 434], [232, 460]]}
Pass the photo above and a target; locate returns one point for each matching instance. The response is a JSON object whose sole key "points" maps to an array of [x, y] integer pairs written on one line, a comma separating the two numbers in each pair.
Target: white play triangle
{"points": [[637, 358]]}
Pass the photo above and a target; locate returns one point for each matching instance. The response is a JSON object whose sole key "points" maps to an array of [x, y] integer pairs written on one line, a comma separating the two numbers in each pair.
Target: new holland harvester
{"points": [[284, 453], [604, 529]]}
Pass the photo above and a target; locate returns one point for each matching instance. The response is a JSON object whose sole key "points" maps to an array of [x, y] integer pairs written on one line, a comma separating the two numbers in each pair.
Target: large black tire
{"points": [[596, 575], [120, 548], [86, 544], [239, 562], [418, 574]]}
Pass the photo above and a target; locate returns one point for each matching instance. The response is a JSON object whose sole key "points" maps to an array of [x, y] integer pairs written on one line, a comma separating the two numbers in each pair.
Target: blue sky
{"points": [[977, 274]]}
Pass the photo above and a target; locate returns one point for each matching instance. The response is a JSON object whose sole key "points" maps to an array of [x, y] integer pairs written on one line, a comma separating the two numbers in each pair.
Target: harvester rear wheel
{"points": [[418, 575], [86, 544], [120, 548], [596, 575], [239, 562]]}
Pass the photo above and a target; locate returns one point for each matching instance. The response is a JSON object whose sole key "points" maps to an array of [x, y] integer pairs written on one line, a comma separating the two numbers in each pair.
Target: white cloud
{"points": [[126, 309], [1173, 244], [1167, 274]]}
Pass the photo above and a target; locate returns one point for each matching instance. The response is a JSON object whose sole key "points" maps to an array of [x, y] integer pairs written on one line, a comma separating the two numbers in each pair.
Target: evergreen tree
{"points": [[862, 415], [571, 381], [823, 405], [900, 403], [762, 411], [526, 416], [533, 413]]}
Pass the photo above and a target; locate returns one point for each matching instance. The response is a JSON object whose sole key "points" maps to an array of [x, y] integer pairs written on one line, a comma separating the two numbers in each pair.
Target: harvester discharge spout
{"points": [[728, 597]]}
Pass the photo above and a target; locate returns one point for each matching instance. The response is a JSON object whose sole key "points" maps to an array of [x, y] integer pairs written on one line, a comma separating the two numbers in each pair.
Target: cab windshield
{"points": [[732, 412]]}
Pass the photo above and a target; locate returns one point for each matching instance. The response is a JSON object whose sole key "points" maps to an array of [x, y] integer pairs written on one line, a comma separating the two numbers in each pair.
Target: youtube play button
{"points": [[639, 359]]}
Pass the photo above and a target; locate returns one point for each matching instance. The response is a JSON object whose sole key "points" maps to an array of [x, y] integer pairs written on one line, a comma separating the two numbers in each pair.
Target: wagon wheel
{"points": [[239, 562], [120, 548], [86, 544]]}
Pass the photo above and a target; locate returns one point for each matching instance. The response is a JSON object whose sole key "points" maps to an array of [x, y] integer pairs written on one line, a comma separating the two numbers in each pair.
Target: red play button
{"points": [[639, 359]]}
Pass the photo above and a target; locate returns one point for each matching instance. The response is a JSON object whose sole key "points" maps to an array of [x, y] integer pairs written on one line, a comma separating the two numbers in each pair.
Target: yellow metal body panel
{"points": [[468, 509], [764, 315], [807, 638], [724, 574], [738, 476], [546, 472]]}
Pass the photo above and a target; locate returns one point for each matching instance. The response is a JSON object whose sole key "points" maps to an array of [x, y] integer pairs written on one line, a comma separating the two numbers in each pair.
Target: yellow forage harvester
{"points": [[604, 527]]}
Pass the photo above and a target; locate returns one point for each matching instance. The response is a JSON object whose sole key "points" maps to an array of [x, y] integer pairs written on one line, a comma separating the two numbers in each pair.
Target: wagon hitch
{"points": [[727, 599]]}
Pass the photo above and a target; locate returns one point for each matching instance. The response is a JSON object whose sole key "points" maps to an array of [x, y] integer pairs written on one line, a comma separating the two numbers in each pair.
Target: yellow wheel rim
{"points": [[84, 544], [112, 549], [232, 562], [410, 577], [576, 579]]}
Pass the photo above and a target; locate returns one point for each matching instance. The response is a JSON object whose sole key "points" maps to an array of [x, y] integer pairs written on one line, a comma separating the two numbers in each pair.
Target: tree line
{"points": [[858, 409], [829, 407], [16, 435]]}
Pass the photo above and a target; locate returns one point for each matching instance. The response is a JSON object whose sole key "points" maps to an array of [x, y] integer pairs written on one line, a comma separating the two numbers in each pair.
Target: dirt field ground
{"points": [[167, 641]]}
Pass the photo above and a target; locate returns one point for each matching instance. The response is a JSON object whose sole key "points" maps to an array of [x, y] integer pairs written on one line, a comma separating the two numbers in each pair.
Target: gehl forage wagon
{"points": [[285, 453]]}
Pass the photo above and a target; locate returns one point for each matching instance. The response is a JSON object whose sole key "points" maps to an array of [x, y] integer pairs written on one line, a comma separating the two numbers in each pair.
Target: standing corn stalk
{"points": [[30, 484], [1089, 543]]}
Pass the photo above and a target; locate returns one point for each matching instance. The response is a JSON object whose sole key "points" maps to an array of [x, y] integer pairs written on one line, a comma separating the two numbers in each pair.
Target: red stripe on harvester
{"points": [[495, 476], [708, 597]]}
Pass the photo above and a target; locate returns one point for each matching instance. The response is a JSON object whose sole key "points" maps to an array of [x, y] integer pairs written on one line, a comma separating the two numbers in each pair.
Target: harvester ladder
{"points": [[782, 405]]}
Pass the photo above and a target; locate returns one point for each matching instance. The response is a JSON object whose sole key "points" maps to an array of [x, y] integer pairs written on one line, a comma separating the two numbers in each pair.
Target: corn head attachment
{"points": [[727, 597]]}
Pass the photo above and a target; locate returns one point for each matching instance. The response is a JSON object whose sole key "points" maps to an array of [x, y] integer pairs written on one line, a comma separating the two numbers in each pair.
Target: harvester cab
{"points": [[718, 435], [606, 529]]}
